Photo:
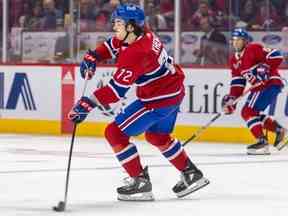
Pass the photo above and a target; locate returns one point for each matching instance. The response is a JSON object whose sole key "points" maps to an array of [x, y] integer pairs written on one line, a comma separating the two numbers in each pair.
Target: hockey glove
{"points": [[228, 105], [257, 76], [88, 65], [80, 111]]}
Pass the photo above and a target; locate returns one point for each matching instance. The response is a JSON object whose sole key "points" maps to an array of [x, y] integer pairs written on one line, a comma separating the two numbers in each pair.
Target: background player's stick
{"points": [[62, 204], [204, 127]]}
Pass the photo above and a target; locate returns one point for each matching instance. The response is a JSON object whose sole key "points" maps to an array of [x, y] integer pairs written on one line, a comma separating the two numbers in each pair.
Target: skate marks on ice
{"points": [[97, 207], [151, 166], [237, 180]]}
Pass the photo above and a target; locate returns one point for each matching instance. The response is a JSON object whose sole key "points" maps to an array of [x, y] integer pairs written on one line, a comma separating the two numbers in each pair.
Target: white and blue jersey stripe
{"points": [[173, 151], [127, 154], [252, 122], [113, 50], [118, 89], [274, 54], [145, 79], [260, 100], [238, 81]]}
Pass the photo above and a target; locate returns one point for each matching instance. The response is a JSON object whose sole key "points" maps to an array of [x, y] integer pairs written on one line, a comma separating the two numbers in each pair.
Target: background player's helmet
{"points": [[242, 33], [129, 12]]}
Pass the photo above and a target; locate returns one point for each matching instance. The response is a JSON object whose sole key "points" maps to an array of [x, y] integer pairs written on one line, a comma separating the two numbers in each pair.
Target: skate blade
{"points": [[281, 145], [255, 152], [194, 187], [147, 196], [262, 151]]}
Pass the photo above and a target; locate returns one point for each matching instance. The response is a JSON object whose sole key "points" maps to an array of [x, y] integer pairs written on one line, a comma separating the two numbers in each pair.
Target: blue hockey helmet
{"points": [[240, 33], [129, 12]]}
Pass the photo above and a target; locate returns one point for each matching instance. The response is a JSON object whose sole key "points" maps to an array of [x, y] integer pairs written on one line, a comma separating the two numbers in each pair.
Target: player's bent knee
{"points": [[157, 139], [248, 112], [114, 135]]}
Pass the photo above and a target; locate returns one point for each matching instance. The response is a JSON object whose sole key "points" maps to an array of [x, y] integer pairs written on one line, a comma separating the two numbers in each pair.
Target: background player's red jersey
{"points": [[249, 59], [146, 64]]}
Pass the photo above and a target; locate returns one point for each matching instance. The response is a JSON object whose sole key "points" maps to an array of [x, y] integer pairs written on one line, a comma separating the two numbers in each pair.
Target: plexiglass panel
{"points": [[60, 31]]}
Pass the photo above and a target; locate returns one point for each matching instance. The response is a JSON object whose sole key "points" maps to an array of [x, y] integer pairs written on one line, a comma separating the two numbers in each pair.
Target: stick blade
{"points": [[60, 207]]}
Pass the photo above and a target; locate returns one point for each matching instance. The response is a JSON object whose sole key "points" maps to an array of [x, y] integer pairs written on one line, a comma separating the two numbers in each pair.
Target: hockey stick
{"points": [[62, 204], [204, 127]]}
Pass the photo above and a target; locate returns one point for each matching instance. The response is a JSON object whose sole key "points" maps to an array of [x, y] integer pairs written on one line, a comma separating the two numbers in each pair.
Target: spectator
{"points": [[266, 18], [284, 13], [247, 11], [1, 21], [62, 5], [213, 45], [102, 22], [16, 8], [167, 11], [26, 13], [278, 4], [188, 7], [220, 5], [203, 10], [34, 21], [52, 17], [1, 9], [111, 5], [154, 18], [88, 13]]}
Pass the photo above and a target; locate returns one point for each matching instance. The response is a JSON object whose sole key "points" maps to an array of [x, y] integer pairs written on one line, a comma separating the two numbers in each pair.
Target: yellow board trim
{"points": [[182, 132], [30, 126]]}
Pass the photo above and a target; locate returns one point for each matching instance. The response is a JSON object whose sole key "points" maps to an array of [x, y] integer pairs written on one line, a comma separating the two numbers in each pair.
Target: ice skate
{"points": [[259, 148], [281, 139], [191, 180], [137, 188]]}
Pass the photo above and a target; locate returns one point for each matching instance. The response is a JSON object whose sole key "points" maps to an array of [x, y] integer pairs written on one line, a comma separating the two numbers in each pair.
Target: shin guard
{"points": [[126, 152]]}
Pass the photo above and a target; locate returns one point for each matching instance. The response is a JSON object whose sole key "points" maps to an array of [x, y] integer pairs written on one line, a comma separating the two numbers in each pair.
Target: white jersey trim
{"points": [[109, 49], [160, 97], [114, 91], [156, 78]]}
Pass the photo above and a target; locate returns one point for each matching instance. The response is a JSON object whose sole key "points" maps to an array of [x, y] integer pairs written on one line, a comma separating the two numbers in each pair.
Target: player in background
{"points": [[141, 60], [258, 66]]}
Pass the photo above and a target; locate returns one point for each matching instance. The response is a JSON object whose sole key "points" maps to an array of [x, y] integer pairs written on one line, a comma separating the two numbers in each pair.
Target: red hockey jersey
{"points": [[248, 59], [143, 63]]}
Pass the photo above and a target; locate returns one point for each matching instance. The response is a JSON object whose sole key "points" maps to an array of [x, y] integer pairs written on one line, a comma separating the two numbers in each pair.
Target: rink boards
{"points": [[37, 98]]}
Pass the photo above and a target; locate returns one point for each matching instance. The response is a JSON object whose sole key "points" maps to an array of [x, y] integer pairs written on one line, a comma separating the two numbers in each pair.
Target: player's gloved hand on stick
{"points": [[88, 65], [81, 109], [228, 105]]}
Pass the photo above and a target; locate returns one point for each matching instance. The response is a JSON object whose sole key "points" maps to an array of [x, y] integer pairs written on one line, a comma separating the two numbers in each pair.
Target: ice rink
{"points": [[33, 169]]}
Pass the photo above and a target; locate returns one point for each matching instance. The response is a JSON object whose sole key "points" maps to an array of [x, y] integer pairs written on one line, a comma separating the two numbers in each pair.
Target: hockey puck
{"points": [[60, 207]]}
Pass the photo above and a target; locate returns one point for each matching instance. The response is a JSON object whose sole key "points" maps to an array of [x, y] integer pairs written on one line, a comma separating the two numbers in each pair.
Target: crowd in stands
{"points": [[211, 17], [94, 15]]}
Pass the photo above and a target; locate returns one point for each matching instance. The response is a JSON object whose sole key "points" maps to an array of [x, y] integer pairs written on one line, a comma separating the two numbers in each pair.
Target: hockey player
{"points": [[141, 61], [258, 66]]}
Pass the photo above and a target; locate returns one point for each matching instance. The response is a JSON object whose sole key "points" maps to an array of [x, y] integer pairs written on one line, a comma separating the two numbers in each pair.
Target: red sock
{"points": [[175, 154], [269, 124], [125, 151]]}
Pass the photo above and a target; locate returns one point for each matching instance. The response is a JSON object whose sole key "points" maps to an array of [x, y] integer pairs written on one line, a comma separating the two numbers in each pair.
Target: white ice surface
{"points": [[33, 169]]}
